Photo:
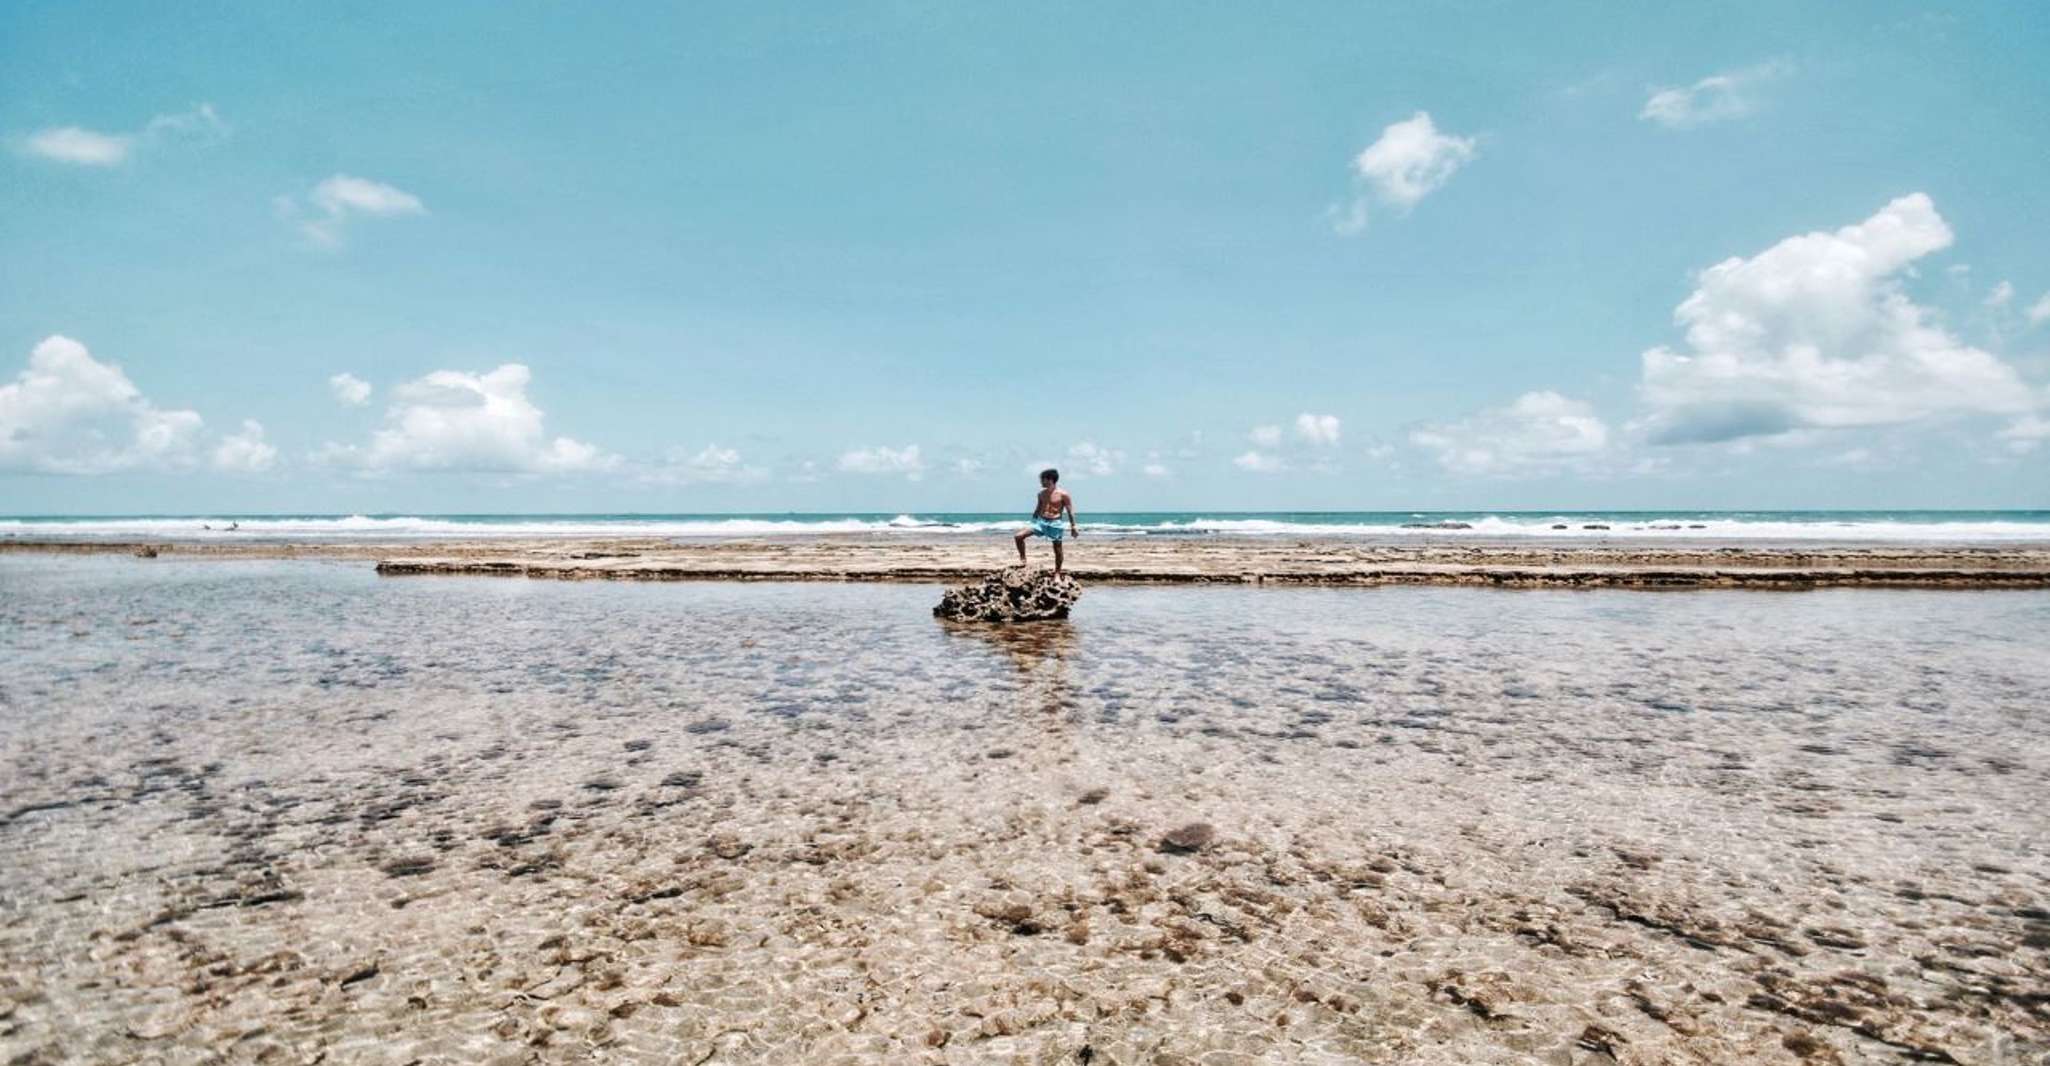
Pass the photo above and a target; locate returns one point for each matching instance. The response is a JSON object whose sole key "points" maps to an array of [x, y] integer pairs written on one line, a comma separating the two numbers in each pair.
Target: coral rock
{"points": [[1016, 594]]}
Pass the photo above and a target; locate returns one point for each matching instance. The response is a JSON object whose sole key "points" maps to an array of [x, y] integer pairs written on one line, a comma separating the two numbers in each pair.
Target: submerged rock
{"points": [[1192, 837], [1014, 594]]}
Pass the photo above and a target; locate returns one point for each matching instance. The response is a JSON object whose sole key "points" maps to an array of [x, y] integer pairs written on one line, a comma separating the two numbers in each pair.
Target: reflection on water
{"points": [[292, 810], [1038, 650], [1028, 644]]}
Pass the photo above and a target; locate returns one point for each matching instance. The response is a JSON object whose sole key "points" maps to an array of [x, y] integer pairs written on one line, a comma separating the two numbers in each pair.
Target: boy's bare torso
{"points": [[1051, 502]]}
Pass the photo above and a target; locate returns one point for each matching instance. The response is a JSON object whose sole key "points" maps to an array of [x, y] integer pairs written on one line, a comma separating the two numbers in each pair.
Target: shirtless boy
{"points": [[1046, 517]]}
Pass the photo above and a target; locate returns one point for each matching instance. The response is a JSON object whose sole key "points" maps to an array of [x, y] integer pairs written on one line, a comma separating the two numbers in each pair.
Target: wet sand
{"points": [[286, 811], [1619, 563]]}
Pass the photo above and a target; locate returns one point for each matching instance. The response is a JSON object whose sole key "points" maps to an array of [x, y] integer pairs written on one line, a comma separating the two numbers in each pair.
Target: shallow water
{"points": [[258, 811]]}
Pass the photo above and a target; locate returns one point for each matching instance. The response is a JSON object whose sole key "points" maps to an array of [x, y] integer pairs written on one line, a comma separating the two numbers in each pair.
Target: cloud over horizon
{"points": [[1541, 430], [710, 465], [245, 451], [1818, 332], [450, 420], [884, 460], [1096, 461], [68, 413], [1318, 430]]}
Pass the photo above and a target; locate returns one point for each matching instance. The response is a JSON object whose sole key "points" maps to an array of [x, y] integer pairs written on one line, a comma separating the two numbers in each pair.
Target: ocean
{"points": [[1906, 526]]}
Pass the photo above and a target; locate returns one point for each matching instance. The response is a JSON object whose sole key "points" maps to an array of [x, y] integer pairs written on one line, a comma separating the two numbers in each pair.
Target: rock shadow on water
{"points": [[1040, 654], [1027, 647]]}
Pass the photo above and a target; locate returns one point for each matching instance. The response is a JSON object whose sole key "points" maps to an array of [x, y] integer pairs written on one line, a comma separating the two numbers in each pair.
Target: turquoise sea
{"points": [[1905, 525]]}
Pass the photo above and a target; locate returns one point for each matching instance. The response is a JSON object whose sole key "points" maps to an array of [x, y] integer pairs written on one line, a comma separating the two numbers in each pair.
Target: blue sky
{"points": [[891, 257]]}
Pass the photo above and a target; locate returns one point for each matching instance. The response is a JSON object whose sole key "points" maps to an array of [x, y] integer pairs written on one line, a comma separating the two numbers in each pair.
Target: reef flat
{"points": [[1335, 561]]}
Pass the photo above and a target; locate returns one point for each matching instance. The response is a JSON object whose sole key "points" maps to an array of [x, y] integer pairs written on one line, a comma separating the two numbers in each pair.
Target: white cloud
{"points": [[450, 420], [1716, 98], [245, 452], [2000, 295], [343, 194], [1259, 462], [1096, 461], [164, 438], [882, 460], [1320, 430], [349, 389], [1849, 457], [68, 413], [200, 122], [968, 467], [711, 464], [1348, 219], [1817, 333], [81, 147], [340, 198], [2026, 433], [1156, 470], [1265, 436], [1412, 159], [1409, 161], [2039, 311], [91, 148], [1539, 430]]}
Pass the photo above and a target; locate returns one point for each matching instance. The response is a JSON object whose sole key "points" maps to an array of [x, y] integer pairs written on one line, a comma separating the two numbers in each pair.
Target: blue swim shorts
{"points": [[1050, 528]]}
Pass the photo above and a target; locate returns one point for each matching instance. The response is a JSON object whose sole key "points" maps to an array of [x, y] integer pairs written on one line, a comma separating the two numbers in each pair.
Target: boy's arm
{"points": [[1068, 505]]}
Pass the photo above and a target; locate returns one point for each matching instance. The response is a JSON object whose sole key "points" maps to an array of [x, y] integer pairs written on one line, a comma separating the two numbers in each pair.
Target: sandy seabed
{"points": [[264, 811]]}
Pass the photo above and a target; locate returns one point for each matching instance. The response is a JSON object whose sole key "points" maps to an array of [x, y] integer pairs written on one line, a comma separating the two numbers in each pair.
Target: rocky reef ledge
{"points": [[1014, 594], [1422, 560]]}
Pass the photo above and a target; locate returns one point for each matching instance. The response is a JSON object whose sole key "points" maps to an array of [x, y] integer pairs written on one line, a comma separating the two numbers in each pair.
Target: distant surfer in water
{"points": [[1047, 511]]}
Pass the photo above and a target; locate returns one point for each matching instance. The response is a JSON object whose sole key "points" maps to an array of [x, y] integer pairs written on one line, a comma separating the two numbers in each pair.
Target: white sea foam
{"points": [[1761, 527], [361, 527]]}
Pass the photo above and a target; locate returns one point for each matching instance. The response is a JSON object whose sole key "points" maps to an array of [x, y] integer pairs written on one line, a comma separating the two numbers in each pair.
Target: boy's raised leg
{"points": [[1020, 540]]}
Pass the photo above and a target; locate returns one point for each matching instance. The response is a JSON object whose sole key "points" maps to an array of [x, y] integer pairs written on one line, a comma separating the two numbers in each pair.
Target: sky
{"points": [[888, 257]]}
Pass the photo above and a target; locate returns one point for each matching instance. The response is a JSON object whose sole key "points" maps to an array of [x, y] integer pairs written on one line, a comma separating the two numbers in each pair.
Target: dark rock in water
{"points": [[1192, 837], [1594, 527], [1437, 525], [1559, 525], [409, 867], [1014, 594], [146, 552]]}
